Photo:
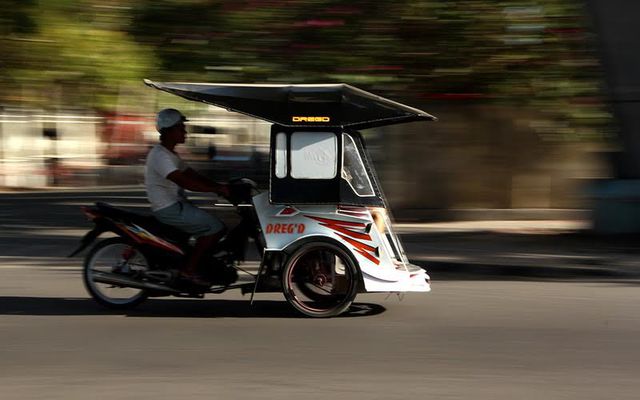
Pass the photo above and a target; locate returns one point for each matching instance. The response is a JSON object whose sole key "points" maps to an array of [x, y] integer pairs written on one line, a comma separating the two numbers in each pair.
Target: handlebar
{"points": [[241, 190]]}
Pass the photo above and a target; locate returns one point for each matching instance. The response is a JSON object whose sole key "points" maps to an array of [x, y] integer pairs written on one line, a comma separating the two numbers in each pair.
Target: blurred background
{"points": [[536, 99]]}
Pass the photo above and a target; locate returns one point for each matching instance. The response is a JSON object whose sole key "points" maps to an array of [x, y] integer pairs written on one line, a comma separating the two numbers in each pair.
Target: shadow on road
{"points": [[52, 306]]}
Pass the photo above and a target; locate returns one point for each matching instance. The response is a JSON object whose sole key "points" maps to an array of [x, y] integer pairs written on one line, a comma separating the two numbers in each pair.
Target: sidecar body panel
{"points": [[354, 228]]}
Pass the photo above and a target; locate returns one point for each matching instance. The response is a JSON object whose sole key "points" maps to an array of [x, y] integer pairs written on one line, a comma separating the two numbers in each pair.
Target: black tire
{"points": [[109, 248], [320, 279]]}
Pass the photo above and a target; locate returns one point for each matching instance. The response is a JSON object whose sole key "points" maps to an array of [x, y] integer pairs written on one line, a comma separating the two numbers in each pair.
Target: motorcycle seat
{"points": [[145, 220]]}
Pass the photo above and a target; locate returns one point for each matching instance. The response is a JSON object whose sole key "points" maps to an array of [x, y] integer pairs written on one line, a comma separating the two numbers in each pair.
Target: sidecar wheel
{"points": [[320, 280], [109, 256]]}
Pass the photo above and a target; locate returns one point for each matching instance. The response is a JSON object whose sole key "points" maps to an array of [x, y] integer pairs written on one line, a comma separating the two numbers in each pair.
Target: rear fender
{"points": [[89, 238], [102, 225]]}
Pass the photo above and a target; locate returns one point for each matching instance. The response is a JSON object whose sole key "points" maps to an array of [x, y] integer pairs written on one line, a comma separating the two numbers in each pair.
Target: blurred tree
{"points": [[523, 53], [16, 25], [72, 52]]}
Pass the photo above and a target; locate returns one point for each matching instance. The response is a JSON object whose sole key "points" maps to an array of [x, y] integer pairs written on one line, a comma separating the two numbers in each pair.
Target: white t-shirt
{"points": [[162, 192]]}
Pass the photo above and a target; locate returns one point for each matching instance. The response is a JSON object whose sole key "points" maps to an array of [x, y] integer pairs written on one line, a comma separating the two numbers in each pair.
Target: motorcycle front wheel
{"points": [[114, 257]]}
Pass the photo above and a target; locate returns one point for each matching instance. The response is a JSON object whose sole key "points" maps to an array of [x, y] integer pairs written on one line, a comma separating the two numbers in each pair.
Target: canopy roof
{"points": [[332, 105]]}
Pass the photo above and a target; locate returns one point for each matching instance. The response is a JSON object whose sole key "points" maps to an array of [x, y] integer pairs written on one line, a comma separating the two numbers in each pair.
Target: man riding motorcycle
{"points": [[166, 176]]}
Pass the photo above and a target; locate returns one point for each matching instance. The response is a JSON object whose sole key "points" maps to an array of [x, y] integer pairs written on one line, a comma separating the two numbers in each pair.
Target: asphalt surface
{"points": [[477, 335]]}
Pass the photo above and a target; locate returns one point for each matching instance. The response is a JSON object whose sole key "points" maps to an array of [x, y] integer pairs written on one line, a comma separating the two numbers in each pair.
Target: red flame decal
{"points": [[344, 229]]}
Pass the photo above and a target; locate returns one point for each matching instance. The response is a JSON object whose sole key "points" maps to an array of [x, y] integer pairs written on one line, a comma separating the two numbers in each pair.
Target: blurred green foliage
{"points": [[533, 54]]}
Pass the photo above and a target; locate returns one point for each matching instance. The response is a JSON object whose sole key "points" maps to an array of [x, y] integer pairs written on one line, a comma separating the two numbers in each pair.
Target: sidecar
{"points": [[325, 227]]}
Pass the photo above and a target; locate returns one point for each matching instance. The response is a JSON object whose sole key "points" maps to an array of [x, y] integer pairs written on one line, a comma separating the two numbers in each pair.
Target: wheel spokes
{"points": [[314, 280], [117, 258]]}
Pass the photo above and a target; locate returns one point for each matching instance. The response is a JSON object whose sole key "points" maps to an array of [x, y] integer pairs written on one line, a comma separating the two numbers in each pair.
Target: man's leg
{"points": [[206, 228], [203, 244]]}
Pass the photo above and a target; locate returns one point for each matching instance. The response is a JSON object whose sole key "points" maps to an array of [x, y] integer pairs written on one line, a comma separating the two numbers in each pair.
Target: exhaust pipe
{"points": [[119, 280]]}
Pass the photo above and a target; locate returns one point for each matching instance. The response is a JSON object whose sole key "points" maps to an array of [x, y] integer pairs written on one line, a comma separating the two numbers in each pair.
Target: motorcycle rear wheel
{"points": [[114, 255]]}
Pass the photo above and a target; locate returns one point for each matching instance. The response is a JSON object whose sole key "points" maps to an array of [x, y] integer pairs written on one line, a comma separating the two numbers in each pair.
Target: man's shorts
{"points": [[190, 219]]}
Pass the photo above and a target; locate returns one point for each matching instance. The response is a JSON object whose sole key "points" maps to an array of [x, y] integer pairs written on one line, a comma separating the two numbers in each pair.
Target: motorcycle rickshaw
{"points": [[322, 229]]}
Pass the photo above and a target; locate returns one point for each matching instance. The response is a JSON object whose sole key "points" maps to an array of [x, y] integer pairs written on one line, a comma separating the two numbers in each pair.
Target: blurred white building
{"points": [[39, 149]]}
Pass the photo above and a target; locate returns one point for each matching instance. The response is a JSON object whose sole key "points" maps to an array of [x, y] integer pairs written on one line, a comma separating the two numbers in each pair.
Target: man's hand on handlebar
{"points": [[240, 190]]}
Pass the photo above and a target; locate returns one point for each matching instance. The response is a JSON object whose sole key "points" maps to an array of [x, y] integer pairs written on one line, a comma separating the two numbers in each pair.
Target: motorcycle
{"points": [[144, 258]]}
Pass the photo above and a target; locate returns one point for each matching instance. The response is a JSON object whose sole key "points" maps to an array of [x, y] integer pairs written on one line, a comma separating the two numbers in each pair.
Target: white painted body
{"points": [[383, 269]]}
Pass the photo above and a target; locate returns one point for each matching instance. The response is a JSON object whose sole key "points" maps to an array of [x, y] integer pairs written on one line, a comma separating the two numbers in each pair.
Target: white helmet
{"points": [[168, 118]]}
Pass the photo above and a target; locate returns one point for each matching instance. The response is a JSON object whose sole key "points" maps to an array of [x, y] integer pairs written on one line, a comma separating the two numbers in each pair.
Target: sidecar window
{"points": [[314, 155], [353, 170], [281, 155]]}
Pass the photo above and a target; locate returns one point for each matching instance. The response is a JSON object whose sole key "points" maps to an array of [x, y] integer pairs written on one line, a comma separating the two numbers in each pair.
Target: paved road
{"points": [[467, 339], [475, 339]]}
